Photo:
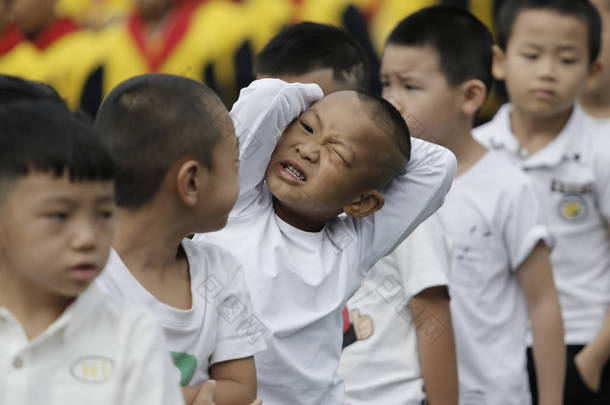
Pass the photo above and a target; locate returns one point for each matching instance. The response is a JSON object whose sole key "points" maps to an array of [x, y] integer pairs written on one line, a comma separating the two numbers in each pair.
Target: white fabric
{"points": [[384, 367], [95, 353], [300, 281], [571, 176], [220, 325], [493, 221]]}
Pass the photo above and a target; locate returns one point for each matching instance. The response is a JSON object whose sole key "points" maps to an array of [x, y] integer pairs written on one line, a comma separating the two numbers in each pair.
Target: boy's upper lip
{"points": [[544, 91], [295, 166], [84, 265]]}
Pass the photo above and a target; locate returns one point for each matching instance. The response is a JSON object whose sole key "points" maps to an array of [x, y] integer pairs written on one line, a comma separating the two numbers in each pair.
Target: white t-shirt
{"points": [[384, 367], [300, 281], [571, 176], [96, 353], [220, 325], [493, 220]]}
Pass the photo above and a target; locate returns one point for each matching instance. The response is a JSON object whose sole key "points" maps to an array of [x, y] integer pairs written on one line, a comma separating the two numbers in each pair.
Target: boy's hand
{"points": [[206, 393], [589, 367]]}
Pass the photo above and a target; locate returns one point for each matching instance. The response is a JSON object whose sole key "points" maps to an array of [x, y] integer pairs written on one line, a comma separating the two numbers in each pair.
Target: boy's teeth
{"points": [[296, 173]]}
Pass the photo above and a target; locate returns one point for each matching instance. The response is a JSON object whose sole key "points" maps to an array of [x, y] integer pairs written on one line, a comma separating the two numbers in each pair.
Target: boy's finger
{"points": [[205, 396]]}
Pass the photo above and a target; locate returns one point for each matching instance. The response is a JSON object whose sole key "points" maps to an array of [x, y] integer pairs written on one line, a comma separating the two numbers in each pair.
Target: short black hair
{"points": [[14, 89], [581, 9], [308, 46], [44, 136], [154, 120], [463, 43], [391, 123]]}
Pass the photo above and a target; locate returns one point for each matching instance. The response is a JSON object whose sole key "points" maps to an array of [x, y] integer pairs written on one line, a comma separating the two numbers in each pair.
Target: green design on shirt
{"points": [[187, 364]]}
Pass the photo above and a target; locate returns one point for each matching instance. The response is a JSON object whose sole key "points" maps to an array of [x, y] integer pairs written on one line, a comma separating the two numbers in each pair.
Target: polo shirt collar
{"points": [[567, 145]]}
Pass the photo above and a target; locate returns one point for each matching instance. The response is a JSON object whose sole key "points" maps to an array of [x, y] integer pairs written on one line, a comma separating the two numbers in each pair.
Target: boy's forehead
{"points": [[540, 25], [397, 59], [46, 186]]}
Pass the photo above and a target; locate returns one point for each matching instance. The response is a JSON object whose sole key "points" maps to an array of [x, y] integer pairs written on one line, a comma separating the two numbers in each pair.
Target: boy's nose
{"points": [[547, 68], [309, 151], [84, 238]]}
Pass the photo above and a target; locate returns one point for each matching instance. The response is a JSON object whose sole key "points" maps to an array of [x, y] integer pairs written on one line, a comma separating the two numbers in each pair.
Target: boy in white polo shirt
{"points": [[547, 50], [62, 342], [436, 67], [177, 165], [300, 170]]}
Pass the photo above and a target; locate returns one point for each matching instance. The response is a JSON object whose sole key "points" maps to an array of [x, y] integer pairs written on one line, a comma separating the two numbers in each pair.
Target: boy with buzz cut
{"points": [[323, 196], [547, 50], [177, 162], [61, 342], [310, 52], [436, 67]]}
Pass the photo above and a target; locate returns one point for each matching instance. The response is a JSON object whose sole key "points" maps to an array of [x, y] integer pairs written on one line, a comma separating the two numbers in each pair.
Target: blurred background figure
{"points": [[85, 47]]}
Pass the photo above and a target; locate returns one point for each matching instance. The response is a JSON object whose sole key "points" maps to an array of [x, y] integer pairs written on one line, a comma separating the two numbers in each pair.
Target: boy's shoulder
{"points": [[496, 171], [208, 260]]}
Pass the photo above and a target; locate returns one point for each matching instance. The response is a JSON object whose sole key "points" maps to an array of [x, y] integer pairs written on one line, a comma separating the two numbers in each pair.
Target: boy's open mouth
{"points": [[294, 171]]}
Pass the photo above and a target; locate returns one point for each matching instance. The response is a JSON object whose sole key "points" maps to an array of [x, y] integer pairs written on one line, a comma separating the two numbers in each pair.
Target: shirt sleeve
{"points": [[524, 224], [260, 115], [150, 378], [423, 258], [240, 332], [601, 168], [409, 200]]}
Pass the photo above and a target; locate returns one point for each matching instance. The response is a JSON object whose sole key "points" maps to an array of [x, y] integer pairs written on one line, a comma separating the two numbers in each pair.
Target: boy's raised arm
{"points": [[409, 200], [264, 109]]}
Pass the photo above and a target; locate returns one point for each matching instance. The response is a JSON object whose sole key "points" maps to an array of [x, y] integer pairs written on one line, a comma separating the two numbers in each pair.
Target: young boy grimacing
{"points": [[61, 340], [546, 53], [436, 67], [177, 174], [301, 168]]}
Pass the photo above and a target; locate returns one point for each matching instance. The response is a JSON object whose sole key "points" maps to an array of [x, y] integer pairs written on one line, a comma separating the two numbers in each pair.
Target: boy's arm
{"points": [[260, 115], [436, 345], [235, 381], [409, 200], [537, 283]]}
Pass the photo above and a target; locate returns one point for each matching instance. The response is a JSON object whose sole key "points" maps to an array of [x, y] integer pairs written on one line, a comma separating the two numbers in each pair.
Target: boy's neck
{"points": [[300, 221], [535, 132], [597, 104], [35, 309], [467, 151], [35, 32], [147, 240], [151, 249]]}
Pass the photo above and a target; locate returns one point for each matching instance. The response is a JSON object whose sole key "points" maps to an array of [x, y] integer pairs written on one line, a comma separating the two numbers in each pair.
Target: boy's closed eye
{"points": [[306, 127]]}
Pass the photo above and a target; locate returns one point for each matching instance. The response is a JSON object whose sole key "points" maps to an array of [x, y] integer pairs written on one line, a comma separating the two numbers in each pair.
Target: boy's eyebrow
{"points": [[105, 199], [315, 114]]}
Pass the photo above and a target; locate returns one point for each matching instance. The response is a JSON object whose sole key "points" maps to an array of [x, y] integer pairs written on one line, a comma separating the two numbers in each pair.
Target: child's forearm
{"points": [[436, 345], [548, 349], [233, 393]]}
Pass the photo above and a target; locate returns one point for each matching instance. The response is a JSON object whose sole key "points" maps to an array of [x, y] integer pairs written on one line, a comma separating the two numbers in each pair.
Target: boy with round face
{"points": [[301, 168], [57, 333], [177, 161], [547, 52], [436, 68]]}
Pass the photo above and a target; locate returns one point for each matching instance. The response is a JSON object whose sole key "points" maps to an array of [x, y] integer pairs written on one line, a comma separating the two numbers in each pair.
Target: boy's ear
{"points": [[594, 71], [497, 67], [474, 93], [365, 204], [188, 182]]}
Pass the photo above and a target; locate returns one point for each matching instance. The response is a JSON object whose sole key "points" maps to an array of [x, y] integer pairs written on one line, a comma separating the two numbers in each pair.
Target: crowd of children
{"points": [[319, 243]]}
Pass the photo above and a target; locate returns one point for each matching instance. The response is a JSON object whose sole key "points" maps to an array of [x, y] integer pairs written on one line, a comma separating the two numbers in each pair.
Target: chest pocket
{"points": [[469, 256]]}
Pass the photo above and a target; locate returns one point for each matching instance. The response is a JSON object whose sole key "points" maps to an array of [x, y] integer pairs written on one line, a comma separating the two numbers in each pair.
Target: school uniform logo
{"points": [[572, 205], [92, 369]]}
